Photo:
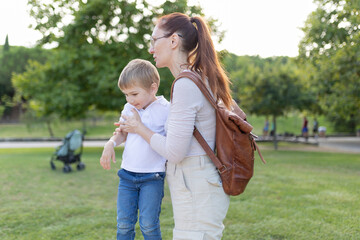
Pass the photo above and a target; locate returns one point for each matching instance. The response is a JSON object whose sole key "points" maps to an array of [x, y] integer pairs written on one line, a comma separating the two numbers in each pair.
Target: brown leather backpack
{"points": [[235, 144]]}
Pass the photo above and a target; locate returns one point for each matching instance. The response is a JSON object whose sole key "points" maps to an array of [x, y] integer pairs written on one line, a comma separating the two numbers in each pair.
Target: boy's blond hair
{"points": [[139, 72]]}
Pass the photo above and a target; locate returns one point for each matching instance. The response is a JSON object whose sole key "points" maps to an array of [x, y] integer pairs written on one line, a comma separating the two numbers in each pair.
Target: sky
{"points": [[252, 27]]}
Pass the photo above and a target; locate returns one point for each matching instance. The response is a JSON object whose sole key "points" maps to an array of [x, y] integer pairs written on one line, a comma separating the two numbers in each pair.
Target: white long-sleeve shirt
{"points": [[189, 107]]}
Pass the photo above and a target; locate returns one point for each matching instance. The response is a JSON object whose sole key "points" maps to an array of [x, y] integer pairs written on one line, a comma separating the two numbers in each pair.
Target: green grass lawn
{"points": [[104, 128], [297, 195]]}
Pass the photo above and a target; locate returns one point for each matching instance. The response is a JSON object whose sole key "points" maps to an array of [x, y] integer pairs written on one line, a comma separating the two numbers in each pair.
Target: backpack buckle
{"points": [[224, 168]]}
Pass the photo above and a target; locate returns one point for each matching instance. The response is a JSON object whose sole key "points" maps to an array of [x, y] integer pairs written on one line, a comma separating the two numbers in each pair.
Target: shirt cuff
{"points": [[113, 142]]}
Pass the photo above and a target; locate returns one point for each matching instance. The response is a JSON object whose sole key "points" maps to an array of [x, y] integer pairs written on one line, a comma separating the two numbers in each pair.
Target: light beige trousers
{"points": [[199, 201]]}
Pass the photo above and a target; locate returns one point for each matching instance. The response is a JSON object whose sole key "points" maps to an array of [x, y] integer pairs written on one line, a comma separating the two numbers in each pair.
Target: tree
{"points": [[6, 45], [269, 87], [3, 99], [14, 60], [92, 48], [331, 45], [32, 80]]}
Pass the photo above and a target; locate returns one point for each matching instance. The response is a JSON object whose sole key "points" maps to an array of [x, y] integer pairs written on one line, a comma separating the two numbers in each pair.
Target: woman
{"points": [[181, 43]]}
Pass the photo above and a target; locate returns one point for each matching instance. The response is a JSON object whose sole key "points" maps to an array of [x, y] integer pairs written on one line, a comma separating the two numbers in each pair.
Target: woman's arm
{"points": [[133, 124], [186, 102]]}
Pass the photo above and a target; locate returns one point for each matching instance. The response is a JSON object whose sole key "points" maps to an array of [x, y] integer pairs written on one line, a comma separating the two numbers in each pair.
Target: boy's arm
{"points": [[109, 152], [118, 137]]}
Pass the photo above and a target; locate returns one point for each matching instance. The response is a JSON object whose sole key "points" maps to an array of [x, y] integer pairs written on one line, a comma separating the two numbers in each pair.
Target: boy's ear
{"points": [[154, 88]]}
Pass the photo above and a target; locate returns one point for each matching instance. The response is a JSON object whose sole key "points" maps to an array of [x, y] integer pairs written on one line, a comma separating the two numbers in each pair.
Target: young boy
{"points": [[142, 173]]}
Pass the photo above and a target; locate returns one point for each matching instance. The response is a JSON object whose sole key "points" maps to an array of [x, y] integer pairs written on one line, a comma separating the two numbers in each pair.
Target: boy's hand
{"points": [[107, 154]]}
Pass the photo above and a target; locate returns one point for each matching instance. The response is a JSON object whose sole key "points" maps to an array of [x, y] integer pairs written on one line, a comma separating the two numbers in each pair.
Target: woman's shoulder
{"points": [[188, 82], [187, 94], [185, 83], [186, 88]]}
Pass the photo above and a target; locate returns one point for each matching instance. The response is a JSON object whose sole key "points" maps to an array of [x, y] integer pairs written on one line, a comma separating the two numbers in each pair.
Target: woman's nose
{"points": [[151, 50]]}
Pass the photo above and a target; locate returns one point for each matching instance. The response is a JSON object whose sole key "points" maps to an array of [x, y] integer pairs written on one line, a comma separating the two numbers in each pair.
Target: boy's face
{"points": [[139, 97]]}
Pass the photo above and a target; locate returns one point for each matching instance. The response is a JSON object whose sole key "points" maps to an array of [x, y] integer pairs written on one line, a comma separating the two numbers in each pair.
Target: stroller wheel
{"points": [[52, 166], [80, 166], [67, 169]]}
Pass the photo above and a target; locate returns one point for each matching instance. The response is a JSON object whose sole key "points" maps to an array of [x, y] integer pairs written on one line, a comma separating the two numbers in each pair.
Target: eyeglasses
{"points": [[153, 40]]}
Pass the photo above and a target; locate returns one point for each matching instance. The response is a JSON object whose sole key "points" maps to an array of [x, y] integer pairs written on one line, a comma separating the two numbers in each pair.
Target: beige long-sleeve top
{"points": [[189, 107]]}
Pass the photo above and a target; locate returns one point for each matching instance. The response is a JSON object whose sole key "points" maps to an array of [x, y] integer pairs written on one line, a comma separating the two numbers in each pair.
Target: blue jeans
{"points": [[143, 192]]}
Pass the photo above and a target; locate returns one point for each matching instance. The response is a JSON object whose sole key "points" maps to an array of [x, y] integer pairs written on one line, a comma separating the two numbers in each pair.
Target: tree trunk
{"points": [[84, 126], [48, 124], [274, 133], [352, 123]]}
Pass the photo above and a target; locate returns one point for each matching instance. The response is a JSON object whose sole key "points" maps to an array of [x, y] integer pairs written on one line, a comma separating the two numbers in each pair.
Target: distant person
{"points": [[142, 173], [266, 128], [322, 131], [272, 131], [305, 130], [315, 128]]}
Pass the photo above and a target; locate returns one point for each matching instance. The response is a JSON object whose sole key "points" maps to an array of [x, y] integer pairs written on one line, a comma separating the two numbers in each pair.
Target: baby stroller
{"points": [[69, 152]]}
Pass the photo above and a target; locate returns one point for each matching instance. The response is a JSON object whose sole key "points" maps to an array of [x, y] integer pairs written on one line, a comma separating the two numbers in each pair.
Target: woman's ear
{"points": [[175, 40]]}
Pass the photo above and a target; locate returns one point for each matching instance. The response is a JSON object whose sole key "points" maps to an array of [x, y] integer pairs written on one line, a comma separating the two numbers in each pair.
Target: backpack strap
{"points": [[218, 164], [257, 147], [197, 80], [258, 150]]}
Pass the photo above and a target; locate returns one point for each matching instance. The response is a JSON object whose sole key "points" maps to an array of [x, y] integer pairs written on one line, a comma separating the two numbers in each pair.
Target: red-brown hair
{"points": [[196, 40]]}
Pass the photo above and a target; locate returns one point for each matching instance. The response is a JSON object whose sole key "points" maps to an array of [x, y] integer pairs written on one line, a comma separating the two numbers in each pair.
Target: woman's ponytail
{"points": [[196, 40], [204, 60]]}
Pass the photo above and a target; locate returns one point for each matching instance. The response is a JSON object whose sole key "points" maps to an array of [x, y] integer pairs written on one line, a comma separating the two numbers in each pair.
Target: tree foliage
{"points": [[270, 87], [14, 60], [93, 42], [331, 45]]}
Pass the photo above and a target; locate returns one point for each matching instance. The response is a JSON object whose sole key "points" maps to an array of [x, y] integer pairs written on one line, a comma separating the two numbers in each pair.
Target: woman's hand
{"points": [[107, 154], [131, 123], [117, 130]]}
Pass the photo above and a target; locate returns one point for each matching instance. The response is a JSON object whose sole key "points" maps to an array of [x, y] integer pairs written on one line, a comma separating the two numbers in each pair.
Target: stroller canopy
{"points": [[72, 142]]}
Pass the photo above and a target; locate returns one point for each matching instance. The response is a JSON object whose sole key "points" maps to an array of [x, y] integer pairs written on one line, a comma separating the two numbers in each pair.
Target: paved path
{"points": [[348, 144], [41, 144], [343, 144], [328, 144]]}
